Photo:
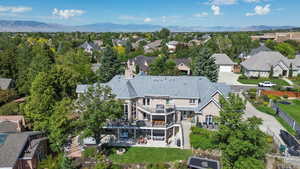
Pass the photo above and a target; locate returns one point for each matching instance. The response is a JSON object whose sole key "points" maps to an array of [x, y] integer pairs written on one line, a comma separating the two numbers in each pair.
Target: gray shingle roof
{"points": [[5, 83], [172, 86], [263, 61], [91, 45], [13, 147], [262, 48], [222, 59], [296, 61], [140, 61], [154, 44]]}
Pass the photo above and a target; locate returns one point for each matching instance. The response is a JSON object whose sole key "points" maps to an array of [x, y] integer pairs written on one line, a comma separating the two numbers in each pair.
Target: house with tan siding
{"points": [[156, 106]]}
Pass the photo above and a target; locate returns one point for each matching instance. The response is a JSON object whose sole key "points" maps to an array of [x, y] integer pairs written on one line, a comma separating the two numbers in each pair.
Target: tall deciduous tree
{"points": [[47, 89], [96, 107], [110, 65], [164, 33], [62, 124], [241, 141], [203, 64]]}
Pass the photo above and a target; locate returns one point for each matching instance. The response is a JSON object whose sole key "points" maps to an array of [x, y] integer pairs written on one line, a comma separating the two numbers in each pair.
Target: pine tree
{"points": [[110, 65], [203, 64], [271, 72], [291, 70]]}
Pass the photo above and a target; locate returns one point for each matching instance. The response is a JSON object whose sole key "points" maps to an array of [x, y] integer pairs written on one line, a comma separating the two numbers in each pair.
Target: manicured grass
{"points": [[271, 112], [286, 125], [292, 109], [256, 81], [296, 81], [149, 155], [266, 109]]}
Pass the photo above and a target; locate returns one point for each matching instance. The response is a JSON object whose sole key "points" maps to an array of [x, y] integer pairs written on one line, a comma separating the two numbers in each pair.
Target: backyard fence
{"points": [[289, 120]]}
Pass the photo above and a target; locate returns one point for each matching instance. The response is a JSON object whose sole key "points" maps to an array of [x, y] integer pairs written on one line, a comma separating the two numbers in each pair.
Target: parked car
{"points": [[266, 84]]}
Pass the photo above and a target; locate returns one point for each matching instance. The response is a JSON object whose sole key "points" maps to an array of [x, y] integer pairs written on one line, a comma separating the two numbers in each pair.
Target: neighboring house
{"points": [[260, 65], [278, 36], [22, 150], [119, 42], [261, 48], [141, 64], [183, 65], [172, 46], [12, 124], [195, 42], [98, 43], [5, 83], [155, 106], [151, 47], [90, 47], [224, 63]]}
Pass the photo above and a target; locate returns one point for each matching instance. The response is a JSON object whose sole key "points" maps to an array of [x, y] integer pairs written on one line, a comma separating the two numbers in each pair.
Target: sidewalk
{"points": [[288, 81]]}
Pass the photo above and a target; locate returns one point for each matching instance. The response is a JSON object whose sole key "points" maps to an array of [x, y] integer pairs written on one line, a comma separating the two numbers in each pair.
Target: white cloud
{"points": [[216, 10], [147, 20], [67, 13], [222, 2], [15, 9], [202, 14], [260, 10]]}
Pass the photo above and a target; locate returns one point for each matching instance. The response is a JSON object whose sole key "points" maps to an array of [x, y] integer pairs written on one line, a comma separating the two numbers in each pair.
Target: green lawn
{"points": [[296, 81], [293, 110], [270, 111], [149, 155], [256, 81]]}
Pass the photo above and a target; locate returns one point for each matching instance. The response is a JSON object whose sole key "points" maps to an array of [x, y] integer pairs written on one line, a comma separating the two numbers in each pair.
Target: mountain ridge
{"points": [[35, 26]]}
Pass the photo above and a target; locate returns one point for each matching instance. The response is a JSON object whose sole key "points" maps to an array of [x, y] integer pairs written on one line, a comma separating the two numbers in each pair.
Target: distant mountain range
{"points": [[33, 26]]}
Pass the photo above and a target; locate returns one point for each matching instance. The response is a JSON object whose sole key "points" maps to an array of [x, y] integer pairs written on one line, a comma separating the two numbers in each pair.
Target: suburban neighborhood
{"points": [[153, 90]]}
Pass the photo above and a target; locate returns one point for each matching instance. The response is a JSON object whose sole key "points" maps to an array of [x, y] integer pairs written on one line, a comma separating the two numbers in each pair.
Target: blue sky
{"points": [[161, 12]]}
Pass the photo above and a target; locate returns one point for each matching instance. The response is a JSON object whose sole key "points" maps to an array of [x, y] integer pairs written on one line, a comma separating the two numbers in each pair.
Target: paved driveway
{"points": [[229, 78], [270, 124]]}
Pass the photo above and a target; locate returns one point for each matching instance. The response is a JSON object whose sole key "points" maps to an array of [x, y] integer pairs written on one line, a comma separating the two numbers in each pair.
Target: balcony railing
{"points": [[140, 123], [159, 108]]}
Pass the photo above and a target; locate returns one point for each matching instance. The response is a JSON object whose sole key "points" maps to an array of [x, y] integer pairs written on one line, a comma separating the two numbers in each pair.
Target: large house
{"points": [[224, 63], [262, 63], [156, 106], [141, 64], [18, 149]]}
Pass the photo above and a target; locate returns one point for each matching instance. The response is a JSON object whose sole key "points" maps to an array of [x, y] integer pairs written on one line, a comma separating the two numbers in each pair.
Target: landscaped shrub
{"points": [[285, 96], [11, 108], [274, 98], [203, 139], [7, 96], [158, 166], [90, 152], [252, 93], [242, 77], [265, 98], [277, 87]]}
